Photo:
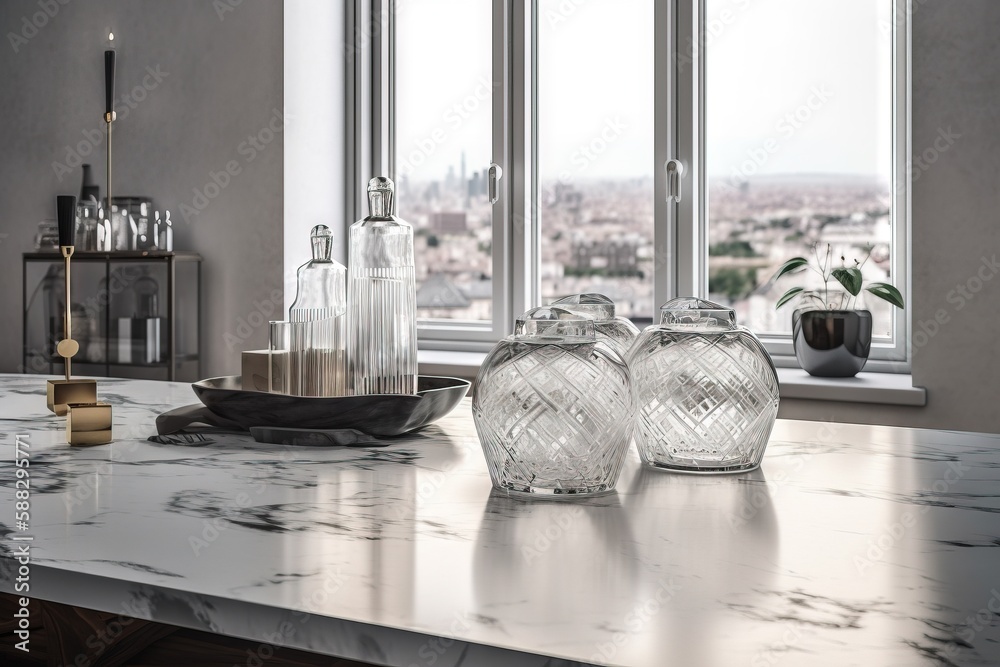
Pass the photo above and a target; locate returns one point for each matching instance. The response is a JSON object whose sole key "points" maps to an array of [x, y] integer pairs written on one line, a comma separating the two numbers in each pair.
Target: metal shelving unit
{"points": [[107, 290]]}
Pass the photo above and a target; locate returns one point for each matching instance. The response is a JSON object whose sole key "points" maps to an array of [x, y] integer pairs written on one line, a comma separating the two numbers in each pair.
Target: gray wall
{"points": [[956, 224], [222, 83]]}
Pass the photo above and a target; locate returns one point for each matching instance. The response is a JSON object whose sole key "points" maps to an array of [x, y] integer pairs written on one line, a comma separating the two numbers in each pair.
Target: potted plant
{"points": [[832, 338]]}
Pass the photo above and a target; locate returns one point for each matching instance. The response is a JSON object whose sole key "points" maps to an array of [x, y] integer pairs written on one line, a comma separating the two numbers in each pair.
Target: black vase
{"points": [[832, 343]]}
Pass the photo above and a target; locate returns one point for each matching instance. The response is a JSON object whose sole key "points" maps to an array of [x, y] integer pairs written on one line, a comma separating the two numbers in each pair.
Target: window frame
{"points": [[680, 227], [373, 106], [691, 233]]}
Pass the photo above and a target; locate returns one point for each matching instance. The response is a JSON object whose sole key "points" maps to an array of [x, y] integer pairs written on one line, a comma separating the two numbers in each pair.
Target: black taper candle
{"points": [[109, 81], [66, 210]]}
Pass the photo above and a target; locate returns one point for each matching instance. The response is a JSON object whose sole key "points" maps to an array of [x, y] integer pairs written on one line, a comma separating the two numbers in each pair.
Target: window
{"points": [[594, 152], [799, 151], [640, 149], [443, 151]]}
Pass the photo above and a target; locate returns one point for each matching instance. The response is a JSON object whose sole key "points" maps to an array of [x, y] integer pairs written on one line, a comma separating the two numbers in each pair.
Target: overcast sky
{"points": [[766, 59]]}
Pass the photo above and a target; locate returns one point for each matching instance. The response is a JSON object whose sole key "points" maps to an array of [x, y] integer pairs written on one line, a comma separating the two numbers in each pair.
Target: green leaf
{"points": [[788, 296], [789, 266], [850, 278], [886, 292]]}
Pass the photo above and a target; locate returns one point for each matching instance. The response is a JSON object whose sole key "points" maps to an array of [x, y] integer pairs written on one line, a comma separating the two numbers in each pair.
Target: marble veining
{"points": [[852, 545]]}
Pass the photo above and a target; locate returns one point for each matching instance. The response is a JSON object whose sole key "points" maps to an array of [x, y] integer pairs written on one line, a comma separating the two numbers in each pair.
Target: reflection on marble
{"points": [[852, 545]]}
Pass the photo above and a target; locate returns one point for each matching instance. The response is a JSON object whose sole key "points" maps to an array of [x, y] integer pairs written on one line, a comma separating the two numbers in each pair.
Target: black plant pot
{"points": [[832, 343]]}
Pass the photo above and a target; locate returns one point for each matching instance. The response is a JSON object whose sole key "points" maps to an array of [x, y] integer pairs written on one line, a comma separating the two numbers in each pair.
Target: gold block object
{"points": [[60, 393], [88, 424]]}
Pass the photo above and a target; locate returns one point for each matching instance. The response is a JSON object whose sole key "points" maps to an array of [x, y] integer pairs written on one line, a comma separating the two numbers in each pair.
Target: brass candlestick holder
{"points": [[88, 422]]}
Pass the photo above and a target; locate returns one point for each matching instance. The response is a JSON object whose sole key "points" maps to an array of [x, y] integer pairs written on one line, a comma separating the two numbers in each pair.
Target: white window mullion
{"points": [[691, 251], [521, 221], [666, 56], [680, 233]]}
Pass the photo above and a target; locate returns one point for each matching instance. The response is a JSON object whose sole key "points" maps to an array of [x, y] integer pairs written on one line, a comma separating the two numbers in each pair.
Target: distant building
{"points": [[616, 255], [449, 222], [439, 292]]}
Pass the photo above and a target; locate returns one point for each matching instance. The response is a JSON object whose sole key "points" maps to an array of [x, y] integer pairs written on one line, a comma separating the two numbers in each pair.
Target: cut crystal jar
{"points": [[382, 298], [706, 390], [618, 331], [553, 408]]}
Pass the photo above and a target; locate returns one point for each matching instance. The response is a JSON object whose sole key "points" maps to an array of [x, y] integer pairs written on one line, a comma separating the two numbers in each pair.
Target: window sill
{"points": [[795, 383], [878, 388]]}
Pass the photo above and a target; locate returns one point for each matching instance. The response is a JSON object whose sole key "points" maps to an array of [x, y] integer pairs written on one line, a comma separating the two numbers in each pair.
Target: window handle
{"points": [[674, 172], [496, 173]]}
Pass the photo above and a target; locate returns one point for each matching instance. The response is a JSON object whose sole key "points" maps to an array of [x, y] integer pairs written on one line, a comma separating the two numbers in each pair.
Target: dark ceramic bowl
{"points": [[384, 414]]}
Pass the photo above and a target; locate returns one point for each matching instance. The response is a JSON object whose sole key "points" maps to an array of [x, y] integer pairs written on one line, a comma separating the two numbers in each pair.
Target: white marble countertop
{"points": [[853, 545]]}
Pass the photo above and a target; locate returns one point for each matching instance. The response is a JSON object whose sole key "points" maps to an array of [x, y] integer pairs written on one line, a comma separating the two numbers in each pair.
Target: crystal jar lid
{"points": [[590, 304], [554, 325], [694, 314]]}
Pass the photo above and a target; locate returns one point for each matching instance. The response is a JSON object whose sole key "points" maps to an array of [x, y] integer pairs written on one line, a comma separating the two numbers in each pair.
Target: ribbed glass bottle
{"points": [[316, 345], [382, 298]]}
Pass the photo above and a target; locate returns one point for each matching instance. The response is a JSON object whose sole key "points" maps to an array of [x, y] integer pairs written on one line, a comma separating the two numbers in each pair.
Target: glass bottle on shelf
{"points": [[87, 225], [145, 325], [319, 311], [163, 232], [122, 227], [382, 298], [144, 238]]}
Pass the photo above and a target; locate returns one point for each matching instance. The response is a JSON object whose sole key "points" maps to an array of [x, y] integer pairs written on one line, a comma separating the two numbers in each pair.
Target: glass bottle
{"points": [[164, 232], [105, 238], [318, 343], [87, 225], [382, 297], [144, 237], [122, 227]]}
